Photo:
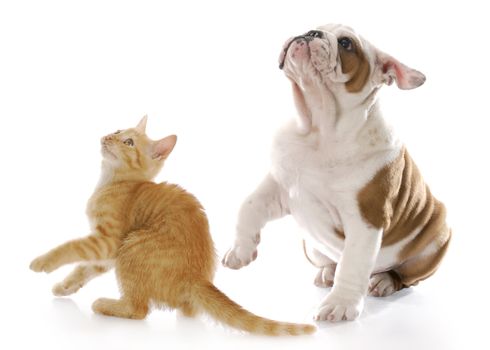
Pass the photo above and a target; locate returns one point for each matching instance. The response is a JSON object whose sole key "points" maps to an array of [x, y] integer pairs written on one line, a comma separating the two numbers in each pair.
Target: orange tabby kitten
{"points": [[156, 236]]}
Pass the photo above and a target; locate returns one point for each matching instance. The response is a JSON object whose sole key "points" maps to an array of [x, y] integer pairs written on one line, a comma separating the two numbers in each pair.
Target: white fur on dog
{"points": [[319, 164]]}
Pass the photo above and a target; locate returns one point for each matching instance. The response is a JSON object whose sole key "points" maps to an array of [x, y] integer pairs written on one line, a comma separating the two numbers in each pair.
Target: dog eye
{"points": [[346, 43], [129, 142]]}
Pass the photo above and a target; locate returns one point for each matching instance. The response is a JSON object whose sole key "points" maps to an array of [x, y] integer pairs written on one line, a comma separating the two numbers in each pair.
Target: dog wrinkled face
{"points": [[333, 70], [332, 54]]}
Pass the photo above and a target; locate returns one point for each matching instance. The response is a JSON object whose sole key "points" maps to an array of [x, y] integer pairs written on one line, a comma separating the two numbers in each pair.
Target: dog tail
{"points": [[223, 309]]}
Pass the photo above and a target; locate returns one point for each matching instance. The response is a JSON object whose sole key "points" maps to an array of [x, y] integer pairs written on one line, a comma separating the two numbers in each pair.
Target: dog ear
{"points": [[391, 70], [303, 110]]}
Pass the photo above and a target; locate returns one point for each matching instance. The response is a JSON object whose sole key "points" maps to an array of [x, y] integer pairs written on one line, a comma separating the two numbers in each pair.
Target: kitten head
{"points": [[131, 155]]}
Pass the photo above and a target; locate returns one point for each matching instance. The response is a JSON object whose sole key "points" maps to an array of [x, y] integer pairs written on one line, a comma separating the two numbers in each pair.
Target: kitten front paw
{"points": [[239, 256], [338, 307], [61, 289], [42, 264]]}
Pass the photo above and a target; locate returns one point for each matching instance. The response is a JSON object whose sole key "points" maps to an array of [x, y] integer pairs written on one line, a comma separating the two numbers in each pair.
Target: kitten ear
{"points": [[161, 149], [141, 127]]}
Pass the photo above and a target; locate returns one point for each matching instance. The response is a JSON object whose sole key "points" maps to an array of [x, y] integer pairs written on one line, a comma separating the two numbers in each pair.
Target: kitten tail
{"points": [[219, 306]]}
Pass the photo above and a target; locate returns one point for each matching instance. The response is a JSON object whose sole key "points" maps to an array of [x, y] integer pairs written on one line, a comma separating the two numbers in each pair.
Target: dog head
{"points": [[334, 57]]}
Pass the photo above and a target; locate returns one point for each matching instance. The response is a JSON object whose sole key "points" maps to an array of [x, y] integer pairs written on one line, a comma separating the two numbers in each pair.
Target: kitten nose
{"points": [[106, 139]]}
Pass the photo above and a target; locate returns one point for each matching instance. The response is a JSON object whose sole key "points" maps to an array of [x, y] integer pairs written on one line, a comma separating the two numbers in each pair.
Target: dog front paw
{"points": [[338, 307], [239, 256]]}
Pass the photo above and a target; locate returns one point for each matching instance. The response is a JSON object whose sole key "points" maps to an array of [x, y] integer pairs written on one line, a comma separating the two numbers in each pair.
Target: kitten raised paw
{"points": [[42, 264]]}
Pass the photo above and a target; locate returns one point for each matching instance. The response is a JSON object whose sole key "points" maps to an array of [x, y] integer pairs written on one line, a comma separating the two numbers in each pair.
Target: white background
{"points": [[71, 72]]}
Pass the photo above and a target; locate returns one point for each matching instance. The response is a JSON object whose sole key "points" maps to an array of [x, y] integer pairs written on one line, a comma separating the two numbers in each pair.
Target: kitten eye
{"points": [[129, 142], [117, 132], [346, 43]]}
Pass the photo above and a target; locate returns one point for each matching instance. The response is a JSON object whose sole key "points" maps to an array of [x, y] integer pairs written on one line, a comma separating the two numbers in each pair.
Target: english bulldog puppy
{"points": [[373, 226]]}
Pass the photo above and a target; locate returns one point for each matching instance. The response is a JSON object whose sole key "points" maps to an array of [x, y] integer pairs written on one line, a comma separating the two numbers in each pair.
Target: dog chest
{"points": [[316, 192], [321, 190]]}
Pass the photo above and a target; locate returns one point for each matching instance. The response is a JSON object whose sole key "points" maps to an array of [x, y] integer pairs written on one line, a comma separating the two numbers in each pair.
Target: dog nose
{"points": [[314, 34]]}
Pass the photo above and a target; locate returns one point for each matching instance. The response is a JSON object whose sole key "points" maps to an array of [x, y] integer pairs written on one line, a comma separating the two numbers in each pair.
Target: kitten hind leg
{"points": [[188, 310], [80, 276], [124, 308]]}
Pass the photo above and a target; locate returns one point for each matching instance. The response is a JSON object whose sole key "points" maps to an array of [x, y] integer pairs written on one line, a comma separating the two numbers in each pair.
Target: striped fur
{"points": [[157, 237]]}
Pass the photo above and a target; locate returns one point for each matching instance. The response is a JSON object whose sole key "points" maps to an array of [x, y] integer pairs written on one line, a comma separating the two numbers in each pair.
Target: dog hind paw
{"points": [[383, 284]]}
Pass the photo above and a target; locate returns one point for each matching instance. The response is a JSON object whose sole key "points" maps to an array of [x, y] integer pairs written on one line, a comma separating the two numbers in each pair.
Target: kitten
{"points": [[157, 237]]}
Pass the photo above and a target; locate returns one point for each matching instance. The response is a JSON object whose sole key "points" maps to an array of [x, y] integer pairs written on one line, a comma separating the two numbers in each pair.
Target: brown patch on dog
{"points": [[415, 270], [355, 64], [339, 233], [398, 201]]}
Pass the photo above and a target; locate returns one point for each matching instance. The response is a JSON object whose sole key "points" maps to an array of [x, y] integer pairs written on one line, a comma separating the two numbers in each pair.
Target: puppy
{"points": [[373, 225]]}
